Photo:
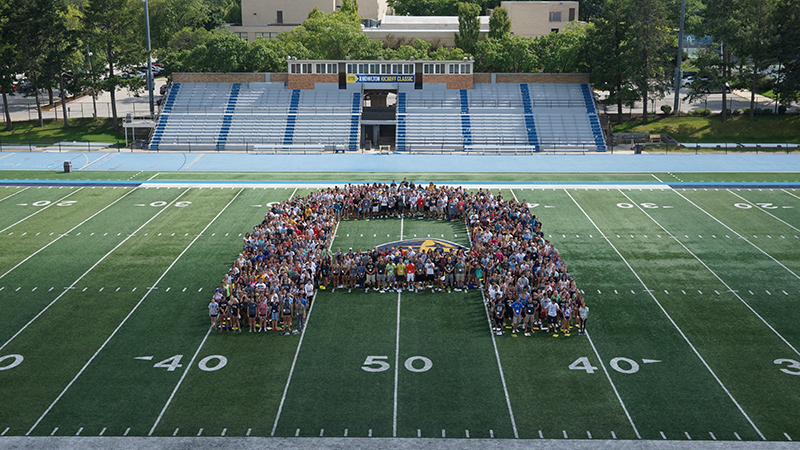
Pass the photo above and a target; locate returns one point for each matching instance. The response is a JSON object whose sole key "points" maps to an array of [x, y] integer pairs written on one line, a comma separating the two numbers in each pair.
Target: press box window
{"points": [[280, 17], [555, 16]]}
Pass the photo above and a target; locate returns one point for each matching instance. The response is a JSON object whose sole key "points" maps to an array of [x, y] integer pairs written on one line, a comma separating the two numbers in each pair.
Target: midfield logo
{"points": [[422, 244]]}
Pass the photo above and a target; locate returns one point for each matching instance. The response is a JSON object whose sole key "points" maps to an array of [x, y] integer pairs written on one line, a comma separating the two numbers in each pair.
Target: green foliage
{"points": [[666, 109], [425, 7], [512, 54], [469, 27], [561, 52], [787, 16], [499, 23]]}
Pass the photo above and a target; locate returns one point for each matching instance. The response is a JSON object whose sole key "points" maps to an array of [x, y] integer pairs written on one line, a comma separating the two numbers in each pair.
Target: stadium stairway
{"points": [[591, 111], [466, 128], [291, 118], [530, 123], [228, 117], [400, 140], [164, 117], [355, 123]]}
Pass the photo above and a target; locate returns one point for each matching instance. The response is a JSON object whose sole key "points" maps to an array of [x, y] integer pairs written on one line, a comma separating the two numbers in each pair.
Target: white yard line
{"points": [[787, 192], [111, 336], [613, 386], [765, 211], [183, 375], [294, 362], [65, 233], [737, 234], [157, 174], [15, 193], [654, 176], [500, 367], [401, 228], [685, 338], [730, 289], [72, 286], [40, 210], [396, 370]]}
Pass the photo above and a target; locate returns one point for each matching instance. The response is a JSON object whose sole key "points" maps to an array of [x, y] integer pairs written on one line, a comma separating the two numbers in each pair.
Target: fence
{"points": [[76, 110]]}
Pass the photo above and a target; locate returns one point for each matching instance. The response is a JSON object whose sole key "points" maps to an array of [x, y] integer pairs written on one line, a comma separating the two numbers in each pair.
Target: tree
{"points": [[608, 47], [499, 23], [512, 54], [787, 88], [651, 43], [469, 27], [424, 7], [720, 20], [116, 27], [756, 40], [43, 39], [8, 49], [561, 52]]}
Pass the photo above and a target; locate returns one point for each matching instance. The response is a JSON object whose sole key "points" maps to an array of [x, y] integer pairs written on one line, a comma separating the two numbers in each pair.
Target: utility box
{"points": [[67, 166]]}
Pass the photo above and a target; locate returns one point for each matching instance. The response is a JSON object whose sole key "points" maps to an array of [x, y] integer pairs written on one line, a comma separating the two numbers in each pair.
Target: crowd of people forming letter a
{"points": [[288, 256]]}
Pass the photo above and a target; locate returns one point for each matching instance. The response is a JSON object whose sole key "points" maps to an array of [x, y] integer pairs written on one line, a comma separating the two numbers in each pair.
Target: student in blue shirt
{"points": [[517, 307]]}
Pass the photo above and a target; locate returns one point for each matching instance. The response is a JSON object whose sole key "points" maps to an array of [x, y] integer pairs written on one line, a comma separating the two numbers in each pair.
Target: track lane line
{"points": [[65, 233], [111, 336], [729, 288], [40, 210], [685, 338], [72, 286]]}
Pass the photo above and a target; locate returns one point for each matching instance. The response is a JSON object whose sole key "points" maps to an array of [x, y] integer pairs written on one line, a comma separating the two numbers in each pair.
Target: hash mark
{"points": [[175, 433], [467, 433], [102, 432], [613, 435], [589, 433], [491, 433], [419, 432], [443, 433], [80, 430], [663, 436], [540, 435], [126, 432], [200, 431], [737, 436], [321, 432], [248, 431], [345, 432], [54, 431], [369, 434], [687, 435], [5, 431], [787, 437], [712, 436], [224, 430], [297, 433], [565, 434]]}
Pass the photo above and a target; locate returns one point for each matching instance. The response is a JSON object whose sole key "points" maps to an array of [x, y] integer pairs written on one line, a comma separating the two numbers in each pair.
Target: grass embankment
{"points": [[764, 129], [85, 130]]}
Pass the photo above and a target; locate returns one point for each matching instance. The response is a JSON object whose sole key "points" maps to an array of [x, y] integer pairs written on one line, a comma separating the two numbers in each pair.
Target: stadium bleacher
{"points": [[491, 117]]}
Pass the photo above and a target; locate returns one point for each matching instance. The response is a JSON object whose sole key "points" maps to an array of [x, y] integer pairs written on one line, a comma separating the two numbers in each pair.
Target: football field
{"points": [[692, 280]]}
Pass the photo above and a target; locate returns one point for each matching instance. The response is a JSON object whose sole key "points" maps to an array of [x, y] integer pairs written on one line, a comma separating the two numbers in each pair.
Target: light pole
{"points": [[149, 61], [680, 60], [94, 92]]}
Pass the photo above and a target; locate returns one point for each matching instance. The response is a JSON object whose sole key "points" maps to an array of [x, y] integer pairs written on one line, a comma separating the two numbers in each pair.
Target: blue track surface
{"points": [[239, 162]]}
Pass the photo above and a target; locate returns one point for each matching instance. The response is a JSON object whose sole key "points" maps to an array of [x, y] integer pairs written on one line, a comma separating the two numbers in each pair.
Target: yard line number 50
{"points": [[377, 364]]}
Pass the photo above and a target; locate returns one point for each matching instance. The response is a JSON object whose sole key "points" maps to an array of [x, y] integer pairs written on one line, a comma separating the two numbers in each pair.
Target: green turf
{"points": [[655, 239]]}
